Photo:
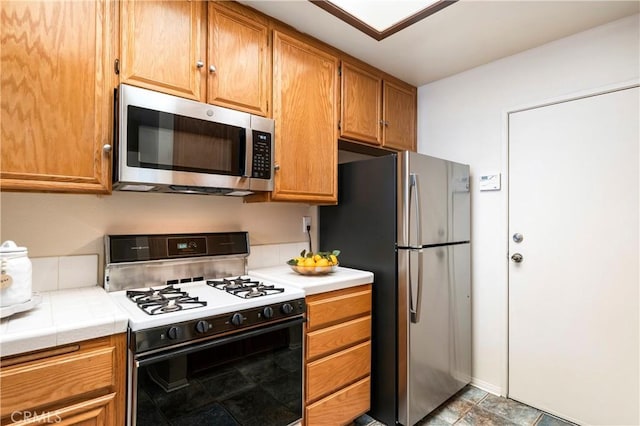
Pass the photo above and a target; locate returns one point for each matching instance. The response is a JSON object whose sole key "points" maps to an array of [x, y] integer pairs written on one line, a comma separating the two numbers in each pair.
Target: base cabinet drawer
{"points": [[348, 403], [335, 371], [76, 384], [338, 306], [331, 339]]}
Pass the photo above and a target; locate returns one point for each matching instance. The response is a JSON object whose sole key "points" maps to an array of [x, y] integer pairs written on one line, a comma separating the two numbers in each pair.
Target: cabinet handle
{"points": [[199, 64], [276, 167], [106, 148], [212, 68]]}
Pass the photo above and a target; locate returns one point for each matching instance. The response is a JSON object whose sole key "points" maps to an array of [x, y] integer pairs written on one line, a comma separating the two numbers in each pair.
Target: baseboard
{"points": [[488, 387]]}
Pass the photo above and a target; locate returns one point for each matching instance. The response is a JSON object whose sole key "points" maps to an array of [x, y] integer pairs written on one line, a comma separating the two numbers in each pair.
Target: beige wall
{"points": [[70, 224]]}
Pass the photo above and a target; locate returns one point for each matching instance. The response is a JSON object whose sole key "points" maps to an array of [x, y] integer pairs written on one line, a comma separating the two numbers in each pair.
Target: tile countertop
{"points": [[313, 284], [62, 317]]}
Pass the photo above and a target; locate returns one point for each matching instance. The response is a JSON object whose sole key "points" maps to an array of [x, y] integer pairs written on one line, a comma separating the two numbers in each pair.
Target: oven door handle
{"points": [[141, 362]]}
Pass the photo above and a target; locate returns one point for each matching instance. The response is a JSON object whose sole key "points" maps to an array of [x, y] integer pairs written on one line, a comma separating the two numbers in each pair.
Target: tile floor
{"points": [[472, 407]]}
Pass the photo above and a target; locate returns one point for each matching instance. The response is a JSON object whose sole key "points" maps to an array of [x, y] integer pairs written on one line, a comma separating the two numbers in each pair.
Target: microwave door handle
{"points": [[248, 154]]}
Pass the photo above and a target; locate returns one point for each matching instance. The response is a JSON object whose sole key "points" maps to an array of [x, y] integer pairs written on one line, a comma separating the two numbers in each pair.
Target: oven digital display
{"points": [[187, 246]]}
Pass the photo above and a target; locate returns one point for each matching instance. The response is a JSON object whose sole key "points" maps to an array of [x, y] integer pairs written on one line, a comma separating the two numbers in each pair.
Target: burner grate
{"points": [[244, 287], [164, 300]]}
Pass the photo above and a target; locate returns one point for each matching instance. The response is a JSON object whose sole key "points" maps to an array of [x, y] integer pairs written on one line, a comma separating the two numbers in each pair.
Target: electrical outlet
{"points": [[306, 222]]}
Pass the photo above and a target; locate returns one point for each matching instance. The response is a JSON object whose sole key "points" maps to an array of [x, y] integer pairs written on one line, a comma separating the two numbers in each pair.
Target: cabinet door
{"points": [[399, 130], [163, 46], [361, 105], [238, 63], [305, 82], [57, 95]]}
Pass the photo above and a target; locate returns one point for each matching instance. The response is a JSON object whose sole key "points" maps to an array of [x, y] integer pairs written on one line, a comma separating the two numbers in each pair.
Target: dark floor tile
{"points": [[472, 394], [289, 359], [366, 420], [214, 415], [448, 413], [147, 412], [479, 417], [262, 370], [514, 411], [549, 420], [287, 390], [182, 401], [223, 385], [257, 408]]}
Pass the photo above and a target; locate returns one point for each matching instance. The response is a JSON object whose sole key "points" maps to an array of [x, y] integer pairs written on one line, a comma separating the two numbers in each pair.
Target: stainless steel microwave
{"points": [[169, 144]]}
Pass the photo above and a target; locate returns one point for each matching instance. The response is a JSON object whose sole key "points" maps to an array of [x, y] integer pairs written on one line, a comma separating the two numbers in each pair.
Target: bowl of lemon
{"points": [[310, 263]]}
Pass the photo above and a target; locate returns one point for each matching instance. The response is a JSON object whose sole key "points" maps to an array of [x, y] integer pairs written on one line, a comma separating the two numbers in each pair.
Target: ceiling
{"points": [[462, 36]]}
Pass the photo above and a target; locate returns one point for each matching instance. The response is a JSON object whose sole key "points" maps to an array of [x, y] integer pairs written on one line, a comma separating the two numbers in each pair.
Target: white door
{"points": [[573, 299]]}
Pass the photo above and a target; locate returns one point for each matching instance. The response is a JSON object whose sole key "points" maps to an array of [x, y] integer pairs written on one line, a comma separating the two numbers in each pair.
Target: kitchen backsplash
{"points": [[57, 273], [64, 272]]}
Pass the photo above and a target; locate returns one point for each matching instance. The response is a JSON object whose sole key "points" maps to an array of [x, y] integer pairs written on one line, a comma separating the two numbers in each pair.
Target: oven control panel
{"points": [[215, 326]]}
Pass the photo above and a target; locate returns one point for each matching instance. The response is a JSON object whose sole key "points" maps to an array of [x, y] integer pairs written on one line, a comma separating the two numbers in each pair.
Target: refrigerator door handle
{"points": [[414, 199], [414, 308]]}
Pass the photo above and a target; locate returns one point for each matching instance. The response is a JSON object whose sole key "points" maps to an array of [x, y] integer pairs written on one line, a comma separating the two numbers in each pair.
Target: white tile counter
{"points": [[313, 284], [64, 316]]}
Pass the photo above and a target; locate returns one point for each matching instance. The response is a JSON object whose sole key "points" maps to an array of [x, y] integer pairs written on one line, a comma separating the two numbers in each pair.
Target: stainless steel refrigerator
{"points": [[406, 218]]}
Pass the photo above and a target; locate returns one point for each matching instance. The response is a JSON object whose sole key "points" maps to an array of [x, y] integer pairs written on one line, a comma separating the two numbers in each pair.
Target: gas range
{"points": [[203, 332], [195, 300]]}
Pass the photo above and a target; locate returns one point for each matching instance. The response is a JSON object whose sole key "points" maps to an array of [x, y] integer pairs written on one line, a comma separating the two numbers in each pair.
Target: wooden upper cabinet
{"points": [[57, 95], [305, 82], [376, 110], [239, 60], [163, 46], [361, 105], [400, 114]]}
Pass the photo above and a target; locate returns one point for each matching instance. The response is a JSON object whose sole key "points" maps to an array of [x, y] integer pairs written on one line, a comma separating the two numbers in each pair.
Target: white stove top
{"points": [[218, 302]]}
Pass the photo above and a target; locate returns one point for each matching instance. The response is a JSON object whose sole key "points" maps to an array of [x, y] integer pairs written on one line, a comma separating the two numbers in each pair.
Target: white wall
{"points": [[72, 224], [463, 118]]}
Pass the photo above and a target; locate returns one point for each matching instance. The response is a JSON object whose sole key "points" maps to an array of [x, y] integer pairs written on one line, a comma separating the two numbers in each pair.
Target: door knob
{"points": [[516, 257], [517, 237]]}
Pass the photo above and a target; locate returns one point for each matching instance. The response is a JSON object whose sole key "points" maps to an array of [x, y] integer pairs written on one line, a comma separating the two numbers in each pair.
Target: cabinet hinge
{"points": [[116, 66], [339, 70], [339, 124]]}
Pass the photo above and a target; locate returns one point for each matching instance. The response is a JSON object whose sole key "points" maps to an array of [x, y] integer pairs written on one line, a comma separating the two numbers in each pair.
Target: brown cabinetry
{"points": [[163, 45], [208, 51], [57, 95], [81, 383], [305, 81], [338, 356], [376, 109]]}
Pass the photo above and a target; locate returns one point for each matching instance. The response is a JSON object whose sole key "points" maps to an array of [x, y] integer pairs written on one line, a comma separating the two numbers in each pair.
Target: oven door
{"points": [[254, 377]]}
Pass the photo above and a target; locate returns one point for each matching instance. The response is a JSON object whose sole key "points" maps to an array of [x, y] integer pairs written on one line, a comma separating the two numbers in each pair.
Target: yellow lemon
{"points": [[334, 259], [309, 262], [317, 257], [300, 261], [323, 262]]}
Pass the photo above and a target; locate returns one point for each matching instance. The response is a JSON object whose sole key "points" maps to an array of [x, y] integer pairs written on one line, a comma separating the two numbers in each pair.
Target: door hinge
{"points": [[116, 66]]}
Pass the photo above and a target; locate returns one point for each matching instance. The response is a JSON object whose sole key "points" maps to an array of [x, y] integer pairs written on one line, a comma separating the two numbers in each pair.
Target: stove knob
{"points": [[287, 308], [237, 319], [202, 326], [267, 312], [173, 333]]}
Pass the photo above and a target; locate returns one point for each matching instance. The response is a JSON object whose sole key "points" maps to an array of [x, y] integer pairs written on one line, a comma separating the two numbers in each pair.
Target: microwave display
{"points": [[159, 140]]}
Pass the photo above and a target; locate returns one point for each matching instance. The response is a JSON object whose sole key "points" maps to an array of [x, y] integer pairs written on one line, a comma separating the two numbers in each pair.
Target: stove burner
{"points": [[164, 300], [244, 287]]}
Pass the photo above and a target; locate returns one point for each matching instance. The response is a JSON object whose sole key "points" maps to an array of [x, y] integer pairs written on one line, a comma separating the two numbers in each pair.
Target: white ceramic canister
{"points": [[15, 274]]}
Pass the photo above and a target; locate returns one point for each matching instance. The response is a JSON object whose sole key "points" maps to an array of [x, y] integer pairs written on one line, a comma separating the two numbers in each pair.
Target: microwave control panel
{"points": [[261, 155]]}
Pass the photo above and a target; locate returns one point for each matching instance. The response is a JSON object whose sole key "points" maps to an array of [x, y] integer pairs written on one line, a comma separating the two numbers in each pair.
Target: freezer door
{"points": [[435, 345], [434, 201]]}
